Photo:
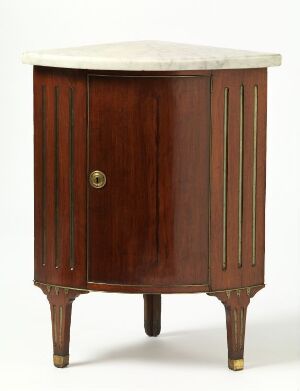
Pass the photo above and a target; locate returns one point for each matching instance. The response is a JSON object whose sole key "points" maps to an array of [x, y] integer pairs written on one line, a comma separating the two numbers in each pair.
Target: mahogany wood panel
{"points": [[151, 137], [60, 176], [238, 166], [152, 315]]}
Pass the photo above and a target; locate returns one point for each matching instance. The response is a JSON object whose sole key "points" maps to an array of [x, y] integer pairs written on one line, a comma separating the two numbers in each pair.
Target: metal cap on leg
{"points": [[236, 365], [60, 361]]}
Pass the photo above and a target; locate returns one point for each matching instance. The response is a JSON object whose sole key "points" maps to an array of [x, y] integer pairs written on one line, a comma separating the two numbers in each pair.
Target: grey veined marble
{"points": [[150, 56]]}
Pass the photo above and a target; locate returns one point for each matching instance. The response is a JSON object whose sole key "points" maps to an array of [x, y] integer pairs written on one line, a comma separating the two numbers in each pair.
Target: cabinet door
{"points": [[149, 224]]}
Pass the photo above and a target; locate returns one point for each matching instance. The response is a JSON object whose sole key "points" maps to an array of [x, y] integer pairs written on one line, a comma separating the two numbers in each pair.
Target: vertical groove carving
{"points": [[71, 180], [225, 160], [238, 244], [235, 328], [60, 323], [59, 144], [242, 323], [56, 174], [54, 324], [254, 175], [44, 178], [157, 140], [240, 208]]}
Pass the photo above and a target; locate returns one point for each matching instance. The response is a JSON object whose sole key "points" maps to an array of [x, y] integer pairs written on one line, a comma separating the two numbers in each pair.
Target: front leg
{"points": [[60, 300], [236, 302]]}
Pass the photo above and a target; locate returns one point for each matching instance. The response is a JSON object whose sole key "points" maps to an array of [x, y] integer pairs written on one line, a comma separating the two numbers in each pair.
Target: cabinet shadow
{"points": [[267, 343]]}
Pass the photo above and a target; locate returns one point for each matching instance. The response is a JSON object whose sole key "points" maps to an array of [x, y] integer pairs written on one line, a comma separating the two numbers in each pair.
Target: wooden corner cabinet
{"points": [[150, 171]]}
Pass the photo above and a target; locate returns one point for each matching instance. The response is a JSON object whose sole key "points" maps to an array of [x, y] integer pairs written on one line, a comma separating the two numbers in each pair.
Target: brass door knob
{"points": [[97, 179]]}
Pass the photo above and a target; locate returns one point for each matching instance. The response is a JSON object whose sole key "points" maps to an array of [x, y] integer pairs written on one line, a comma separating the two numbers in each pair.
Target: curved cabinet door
{"points": [[149, 223]]}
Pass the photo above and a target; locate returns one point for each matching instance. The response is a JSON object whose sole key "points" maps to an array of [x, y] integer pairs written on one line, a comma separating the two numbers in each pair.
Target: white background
{"points": [[109, 349]]}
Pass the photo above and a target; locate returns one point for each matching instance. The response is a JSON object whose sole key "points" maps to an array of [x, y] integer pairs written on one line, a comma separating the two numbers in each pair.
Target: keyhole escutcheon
{"points": [[97, 179]]}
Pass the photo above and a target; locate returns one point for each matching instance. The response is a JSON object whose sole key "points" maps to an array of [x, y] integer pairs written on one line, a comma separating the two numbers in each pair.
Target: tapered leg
{"points": [[60, 300], [236, 303], [152, 314]]}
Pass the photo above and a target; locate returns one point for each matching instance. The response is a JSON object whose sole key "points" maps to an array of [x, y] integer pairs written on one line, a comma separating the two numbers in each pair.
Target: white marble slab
{"points": [[150, 56]]}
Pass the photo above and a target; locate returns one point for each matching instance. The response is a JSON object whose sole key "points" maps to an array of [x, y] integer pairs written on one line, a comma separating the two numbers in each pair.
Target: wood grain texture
{"points": [[239, 188], [151, 134], [182, 211], [60, 176], [149, 224]]}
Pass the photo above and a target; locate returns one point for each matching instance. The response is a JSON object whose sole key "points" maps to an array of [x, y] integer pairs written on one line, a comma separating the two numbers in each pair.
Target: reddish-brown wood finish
{"points": [[157, 239], [152, 315], [126, 288], [60, 300], [236, 303], [247, 273], [182, 211], [60, 176], [151, 137]]}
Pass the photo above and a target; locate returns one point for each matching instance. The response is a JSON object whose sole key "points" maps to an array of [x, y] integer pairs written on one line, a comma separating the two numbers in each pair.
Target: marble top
{"points": [[150, 56]]}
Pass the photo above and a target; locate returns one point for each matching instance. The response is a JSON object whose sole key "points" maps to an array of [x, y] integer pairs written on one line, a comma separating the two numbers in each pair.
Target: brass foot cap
{"points": [[60, 361], [236, 365]]}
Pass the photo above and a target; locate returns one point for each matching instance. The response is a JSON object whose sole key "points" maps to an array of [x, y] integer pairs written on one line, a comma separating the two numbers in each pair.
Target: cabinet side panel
{"points": [[238, 171], [60, 176]]}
